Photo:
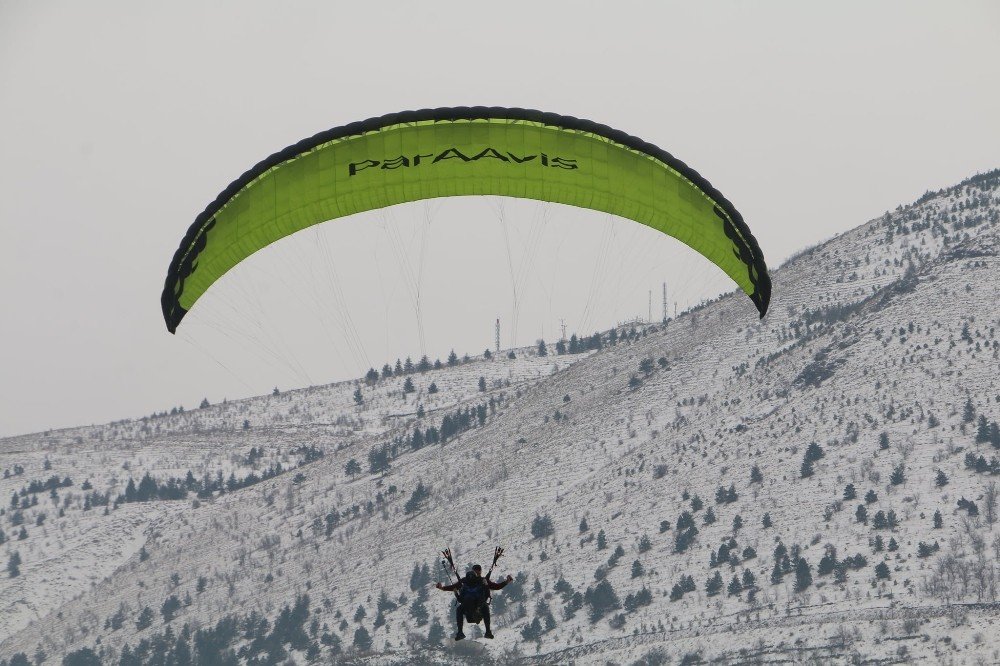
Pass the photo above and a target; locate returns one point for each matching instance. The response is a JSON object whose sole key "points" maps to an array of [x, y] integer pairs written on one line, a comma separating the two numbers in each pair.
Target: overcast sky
{"points": [[120, 121]]}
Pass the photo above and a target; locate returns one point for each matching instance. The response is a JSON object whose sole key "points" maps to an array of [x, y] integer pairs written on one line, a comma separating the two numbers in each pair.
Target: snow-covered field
{"points": [[878, 368]]}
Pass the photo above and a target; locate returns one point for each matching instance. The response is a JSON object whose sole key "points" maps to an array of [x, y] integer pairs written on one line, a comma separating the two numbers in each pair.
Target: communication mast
{"points": [[498, 334], [562, 325], [665, 311]]}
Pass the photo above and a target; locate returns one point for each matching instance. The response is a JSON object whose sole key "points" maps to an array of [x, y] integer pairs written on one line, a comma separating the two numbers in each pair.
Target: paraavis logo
{"points": [[404, 161]]}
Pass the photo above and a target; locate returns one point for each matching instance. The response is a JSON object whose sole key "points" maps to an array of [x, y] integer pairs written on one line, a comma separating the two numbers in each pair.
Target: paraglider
{"points": [[472, 593], [464, 151]]}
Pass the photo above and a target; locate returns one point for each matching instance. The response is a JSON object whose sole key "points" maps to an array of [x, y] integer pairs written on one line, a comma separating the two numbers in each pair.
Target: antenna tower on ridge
{"points": [[665, 311]]}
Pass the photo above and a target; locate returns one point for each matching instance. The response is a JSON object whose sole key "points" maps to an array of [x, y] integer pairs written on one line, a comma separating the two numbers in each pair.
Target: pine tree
{"points": [[776, 573], [734, 586], [601, 599], [541, 527], [766, 520], [828, 562], [883, 441], [358, 398], [170, 607], [14, 565], [685, 535], [420, 493], [362, 639], [452, 358], [637, 569], [938, 520], [898, 475], [969, 413], [482, 384], [982, 430], [602, 540], [418, 610], [803, 577], [756, 476], [435, 636], [145, 618], [583, 525], [378, 459], [807, 468], [926, 549], [941, 479], [542, 351], [849, 492], [882, 571], [814, 452], [714, 584]]}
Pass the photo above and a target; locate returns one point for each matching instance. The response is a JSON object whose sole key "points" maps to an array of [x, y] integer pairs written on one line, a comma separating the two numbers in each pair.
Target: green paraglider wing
{"points": [[460, 152]]}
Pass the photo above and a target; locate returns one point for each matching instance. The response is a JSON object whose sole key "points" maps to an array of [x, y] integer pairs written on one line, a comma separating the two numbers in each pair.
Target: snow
{"points": [[736, 392]]}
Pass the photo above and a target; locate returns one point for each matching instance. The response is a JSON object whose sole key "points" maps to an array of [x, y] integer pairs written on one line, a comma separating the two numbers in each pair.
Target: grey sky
{"points": [[120, 121]]}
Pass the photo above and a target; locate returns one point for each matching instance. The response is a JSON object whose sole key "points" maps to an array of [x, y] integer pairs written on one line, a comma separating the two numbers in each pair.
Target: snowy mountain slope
{"points": [[66, 554], [890, 328]]}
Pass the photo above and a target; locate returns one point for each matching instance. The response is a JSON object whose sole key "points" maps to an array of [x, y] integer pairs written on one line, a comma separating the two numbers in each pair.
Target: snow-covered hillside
{"points": [[819, 485]]}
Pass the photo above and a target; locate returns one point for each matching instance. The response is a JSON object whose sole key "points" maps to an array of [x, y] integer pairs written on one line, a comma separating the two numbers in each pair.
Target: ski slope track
{"points": [[880, 356]]}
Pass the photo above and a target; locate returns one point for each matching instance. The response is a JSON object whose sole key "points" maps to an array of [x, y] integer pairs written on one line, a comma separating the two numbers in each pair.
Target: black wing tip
{"points": [[762, 294], [173, 313]]}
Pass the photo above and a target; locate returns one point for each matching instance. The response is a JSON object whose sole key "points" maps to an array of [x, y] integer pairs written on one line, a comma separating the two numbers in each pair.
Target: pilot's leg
{"points": [[459, 619]]}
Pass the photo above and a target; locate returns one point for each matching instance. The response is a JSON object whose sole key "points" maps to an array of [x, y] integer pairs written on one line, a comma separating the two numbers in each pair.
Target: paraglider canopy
{"points": [[464, 151]]}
